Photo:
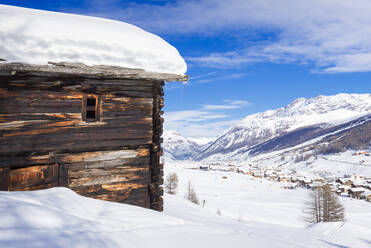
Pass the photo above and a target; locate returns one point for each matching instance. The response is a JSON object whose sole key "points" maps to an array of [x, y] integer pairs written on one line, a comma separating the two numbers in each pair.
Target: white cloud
{"points": [[207, 121], [192, 116], [203, 75], [237, 102], [229, 76], [219, 107], [230, 104], [197, 130], [333, 35]]}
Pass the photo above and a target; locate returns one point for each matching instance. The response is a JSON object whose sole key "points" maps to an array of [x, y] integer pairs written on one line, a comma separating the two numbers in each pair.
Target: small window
{"points": [[90, 114], [91, 102], [91, 108]]}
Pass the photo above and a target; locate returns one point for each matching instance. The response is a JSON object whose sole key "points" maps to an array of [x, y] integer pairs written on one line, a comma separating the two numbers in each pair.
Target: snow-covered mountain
{"points": [[304, 115], [321, 112], [177, 147]]}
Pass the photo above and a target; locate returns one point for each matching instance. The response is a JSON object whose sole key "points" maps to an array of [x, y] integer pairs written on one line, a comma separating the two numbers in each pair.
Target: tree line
{"points": [[323, 206]]}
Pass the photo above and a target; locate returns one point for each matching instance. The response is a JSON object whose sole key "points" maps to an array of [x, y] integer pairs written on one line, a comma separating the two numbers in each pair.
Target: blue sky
{"points": [[246, 56]]}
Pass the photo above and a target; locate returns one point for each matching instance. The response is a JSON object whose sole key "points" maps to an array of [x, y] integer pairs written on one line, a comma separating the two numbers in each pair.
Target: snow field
{"points": [[254, 213], [272, 212]]}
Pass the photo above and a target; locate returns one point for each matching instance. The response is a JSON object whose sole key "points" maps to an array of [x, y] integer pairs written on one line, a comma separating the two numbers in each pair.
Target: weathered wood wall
{"points": [[44, 141], [157, 174]]}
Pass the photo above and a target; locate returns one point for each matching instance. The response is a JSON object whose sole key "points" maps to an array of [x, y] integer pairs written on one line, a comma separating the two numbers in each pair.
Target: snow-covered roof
{"points": [[316, 185], [344, 187], [37, 37], [358, 189], [358, 182], [344, 180], [366, 193]]}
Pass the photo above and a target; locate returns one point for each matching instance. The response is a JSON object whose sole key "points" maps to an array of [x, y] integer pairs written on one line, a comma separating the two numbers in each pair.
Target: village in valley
{"points": [[353, 186]]}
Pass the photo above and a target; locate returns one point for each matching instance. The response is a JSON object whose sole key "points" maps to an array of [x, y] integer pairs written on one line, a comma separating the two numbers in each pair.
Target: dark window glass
{"points": [[90, 102], [90, 114]]}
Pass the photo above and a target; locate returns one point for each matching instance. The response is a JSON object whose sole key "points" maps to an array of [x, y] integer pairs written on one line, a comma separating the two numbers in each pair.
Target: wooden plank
{"points": [[60, 80], [76, 86], [102, 88], [101, 156], [121, 119], [127, 100], [38, 177], [138, 162], [32, 127], [24, 161], [156, 168], [8, 109], [33, 187], [57, 133], [144, 202], [65, 147], [125, 107], [4, 179], [116, 114], [115, 191], [33, 176], [124, 179], [87, 160], [102, 172], [4, 118], [37, 95], [157, 205], [81, 70], [18, 103]]}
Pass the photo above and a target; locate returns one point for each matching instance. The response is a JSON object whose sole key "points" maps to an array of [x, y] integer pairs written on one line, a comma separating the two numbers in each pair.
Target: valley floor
{"points": [[254, 213]]}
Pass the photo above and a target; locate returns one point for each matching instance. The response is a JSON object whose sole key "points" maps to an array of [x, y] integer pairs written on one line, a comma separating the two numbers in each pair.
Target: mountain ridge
{"points": [[303, 119], [321, 111]]}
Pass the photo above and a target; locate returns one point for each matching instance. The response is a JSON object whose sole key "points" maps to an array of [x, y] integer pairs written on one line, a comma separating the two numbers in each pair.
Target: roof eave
{"points": [[67, 69]]}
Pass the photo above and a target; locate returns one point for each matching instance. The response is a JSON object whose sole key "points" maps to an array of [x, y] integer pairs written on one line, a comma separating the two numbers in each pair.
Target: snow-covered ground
{"points": [[254, 213], [337, 165]]}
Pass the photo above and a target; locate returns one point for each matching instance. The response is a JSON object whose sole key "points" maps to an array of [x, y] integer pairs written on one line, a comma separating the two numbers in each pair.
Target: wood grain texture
{"points": [[4, 179], [45, 141], [156, 168], [73, 69]]}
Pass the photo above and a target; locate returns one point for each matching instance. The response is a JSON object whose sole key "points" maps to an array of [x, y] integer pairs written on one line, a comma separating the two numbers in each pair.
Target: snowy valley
{"points": [[320, 134], [251, 211]]}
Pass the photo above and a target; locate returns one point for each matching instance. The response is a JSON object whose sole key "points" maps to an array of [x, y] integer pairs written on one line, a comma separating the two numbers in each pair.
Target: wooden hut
{"points": [[94, 129]]}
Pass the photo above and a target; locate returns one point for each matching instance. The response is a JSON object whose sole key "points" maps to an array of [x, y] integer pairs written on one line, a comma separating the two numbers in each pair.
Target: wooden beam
{"points": [[77, 69]]}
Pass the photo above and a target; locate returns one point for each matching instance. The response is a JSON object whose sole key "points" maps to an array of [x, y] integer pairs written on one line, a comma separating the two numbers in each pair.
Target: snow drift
{"points": [[255, 213], [38, 37]]}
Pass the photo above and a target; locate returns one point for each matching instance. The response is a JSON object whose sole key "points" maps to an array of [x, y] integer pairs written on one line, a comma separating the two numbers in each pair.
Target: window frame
{"points": [[86, 108]]}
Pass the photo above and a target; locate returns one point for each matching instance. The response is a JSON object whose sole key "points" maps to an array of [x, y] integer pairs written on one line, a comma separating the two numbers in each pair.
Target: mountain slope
{"points": [[308, 117], [302, 135], [355, 134], [177, 147]]}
